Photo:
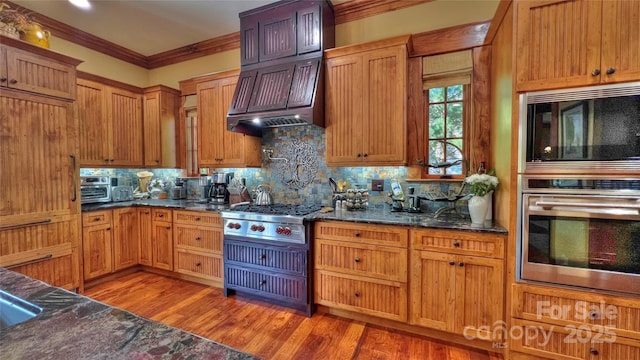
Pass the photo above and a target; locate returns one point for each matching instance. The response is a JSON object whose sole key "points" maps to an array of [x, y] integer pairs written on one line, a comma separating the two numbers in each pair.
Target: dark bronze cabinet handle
{"points": [[452, 263], [168, 227], [75, 184], [593, 351], [13, 81], [197, 219], [197, 264], [593, 315], [3, 79], [358, 155], [197, 237], [146, 212], [611, 70], [357, 259], [263, 256], [96, 219], [109, 228], [357, 294], [461, 263], [595, 72], [365, 155], [160, 215], [356, 234], [262, 282], [456, 243]]}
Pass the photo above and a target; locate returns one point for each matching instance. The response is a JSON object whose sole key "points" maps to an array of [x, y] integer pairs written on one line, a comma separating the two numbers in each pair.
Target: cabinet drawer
{"points": [[380, 262], [366, 234], [161, 215], [198, 238], [575, 308], [196, 218], [291, 289], [59, 271], [266, 257], [209, 267], [563, 343], [459, 242], [96, 218], [386, 299]]}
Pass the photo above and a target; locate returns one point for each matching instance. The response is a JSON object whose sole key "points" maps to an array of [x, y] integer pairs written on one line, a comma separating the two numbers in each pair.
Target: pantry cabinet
{"points": [[366, 104], [39, 227], [110, 125], [572, 43], [218, 147], [161, 106], [453, 289]]}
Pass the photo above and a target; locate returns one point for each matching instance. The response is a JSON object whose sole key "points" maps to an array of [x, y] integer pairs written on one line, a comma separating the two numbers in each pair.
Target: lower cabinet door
{"points": [[60, 271], [290, 289], [145, 252], [96, 249], [163, 245], [386, 299], [126, 238]]}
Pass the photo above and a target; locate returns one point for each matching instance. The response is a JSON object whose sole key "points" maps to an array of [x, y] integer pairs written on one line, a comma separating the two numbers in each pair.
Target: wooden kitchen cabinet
{"points": [[36, 73], [145, 252], [218, 147], [110, 125], [571, 43], [198, 245], [366, 104], [126, 237], [40, 204], [452, 289], [161, 106], [362, 268], [162, 239], [110, 241]]}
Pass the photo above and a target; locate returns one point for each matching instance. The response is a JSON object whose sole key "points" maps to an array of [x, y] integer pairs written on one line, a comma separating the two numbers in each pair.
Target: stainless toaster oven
{"points": [[95, 189]]}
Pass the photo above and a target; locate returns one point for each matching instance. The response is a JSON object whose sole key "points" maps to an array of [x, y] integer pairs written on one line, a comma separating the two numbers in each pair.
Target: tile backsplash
{"points": [[318, 191]]}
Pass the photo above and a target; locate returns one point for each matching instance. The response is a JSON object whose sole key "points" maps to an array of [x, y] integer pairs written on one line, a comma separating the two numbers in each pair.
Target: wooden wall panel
{"points": [[481, 95]]}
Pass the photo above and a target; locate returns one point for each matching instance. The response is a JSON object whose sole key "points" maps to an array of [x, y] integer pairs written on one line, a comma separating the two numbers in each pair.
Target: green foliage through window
{"points": [[446, 109]]}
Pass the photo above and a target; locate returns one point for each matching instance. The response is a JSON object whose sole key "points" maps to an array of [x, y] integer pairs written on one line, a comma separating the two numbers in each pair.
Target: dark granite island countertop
{"points": [[72, 326]]}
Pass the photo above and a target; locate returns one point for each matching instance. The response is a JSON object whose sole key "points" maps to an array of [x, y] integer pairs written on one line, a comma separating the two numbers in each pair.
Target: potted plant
{"points": [[482, 187], [16, 23]]}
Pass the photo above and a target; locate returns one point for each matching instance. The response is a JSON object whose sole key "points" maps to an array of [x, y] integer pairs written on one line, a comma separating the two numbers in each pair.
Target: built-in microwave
{"points": [[582, 130]]}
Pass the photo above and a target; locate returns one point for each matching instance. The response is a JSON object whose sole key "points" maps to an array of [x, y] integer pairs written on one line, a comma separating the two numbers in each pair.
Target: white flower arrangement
{"points": [[482, 184]]}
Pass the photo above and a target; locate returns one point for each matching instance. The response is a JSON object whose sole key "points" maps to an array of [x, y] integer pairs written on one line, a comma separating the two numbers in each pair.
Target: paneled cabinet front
{"points": [[161, 107], [218, 147], [162, 239], [197, 244], [110, 125], [362, 268], [365, 105], [573, 43], [110, 241]]}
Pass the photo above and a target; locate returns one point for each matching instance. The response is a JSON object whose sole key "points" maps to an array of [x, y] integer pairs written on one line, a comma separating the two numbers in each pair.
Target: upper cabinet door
{"points": [[278, 36], [209, 148], [309, 29], [233, 144], [249, 40], [151, 124], [38, 74], [91, 112], [558, 44], [125, 112], [620, 40]]}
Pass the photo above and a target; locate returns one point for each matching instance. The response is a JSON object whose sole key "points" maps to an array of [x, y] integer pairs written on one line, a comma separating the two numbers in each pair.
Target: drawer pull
{"points": [[357, 259], [198, 264], [263, 256], [168, 227], [452, 263], [461, 264], [109, 228], [13, 81], [595, 72], [593, 315], [18, 226], [160, 215], [611, 70], [48, 256], [146, 213], [594, 351], [456, 243], [197, 237], [197, 219], [96, 219], [357, 234], [263, 282], [357, 294]]}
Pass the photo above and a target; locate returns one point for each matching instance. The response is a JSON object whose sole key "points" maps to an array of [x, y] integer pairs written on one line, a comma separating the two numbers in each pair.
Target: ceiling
{"points": [[149, 27]]}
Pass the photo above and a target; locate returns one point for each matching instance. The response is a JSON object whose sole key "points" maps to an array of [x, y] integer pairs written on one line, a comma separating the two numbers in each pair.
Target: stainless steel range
{"points": [[267, 254]]}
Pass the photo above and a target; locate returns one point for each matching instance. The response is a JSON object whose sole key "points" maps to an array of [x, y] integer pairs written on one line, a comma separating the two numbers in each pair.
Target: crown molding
{"points": [[449, 39], [344, 12]]}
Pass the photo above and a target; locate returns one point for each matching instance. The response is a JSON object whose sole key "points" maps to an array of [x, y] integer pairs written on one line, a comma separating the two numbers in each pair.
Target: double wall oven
{"points": [[579, 188]]}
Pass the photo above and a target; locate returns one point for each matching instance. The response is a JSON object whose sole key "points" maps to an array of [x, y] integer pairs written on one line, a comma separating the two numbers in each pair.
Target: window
{"points": [[446, 112]]}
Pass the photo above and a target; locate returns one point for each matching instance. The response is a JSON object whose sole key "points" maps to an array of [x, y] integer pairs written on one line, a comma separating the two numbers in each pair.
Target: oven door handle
{"points": [[545, 204]]}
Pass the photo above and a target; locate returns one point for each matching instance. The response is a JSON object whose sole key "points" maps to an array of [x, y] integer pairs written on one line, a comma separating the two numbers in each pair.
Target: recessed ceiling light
{"points": [[82, 4], [256, 120]]}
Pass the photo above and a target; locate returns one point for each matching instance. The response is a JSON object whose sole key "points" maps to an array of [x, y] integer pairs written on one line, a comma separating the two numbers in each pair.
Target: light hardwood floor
{"points": [[264, 330]]}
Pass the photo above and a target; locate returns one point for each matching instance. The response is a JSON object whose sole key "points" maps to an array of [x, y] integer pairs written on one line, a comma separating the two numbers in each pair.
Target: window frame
{"points": [[467, 103]]}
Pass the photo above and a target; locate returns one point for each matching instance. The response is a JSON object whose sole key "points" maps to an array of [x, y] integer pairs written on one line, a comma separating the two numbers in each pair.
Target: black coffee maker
{"points": [[219, 193]]}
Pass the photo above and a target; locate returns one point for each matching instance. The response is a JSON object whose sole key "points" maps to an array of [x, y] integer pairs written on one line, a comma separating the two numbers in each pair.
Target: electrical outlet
{"points": [[377, 185]]}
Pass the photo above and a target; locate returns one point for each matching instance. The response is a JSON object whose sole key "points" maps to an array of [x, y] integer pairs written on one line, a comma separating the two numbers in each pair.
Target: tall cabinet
{"points": [[366, 103], [40, 199]]}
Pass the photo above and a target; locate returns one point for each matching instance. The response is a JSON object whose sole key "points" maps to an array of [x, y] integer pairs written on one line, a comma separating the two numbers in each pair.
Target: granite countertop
{"points": [[72, 326], [373, 215]]}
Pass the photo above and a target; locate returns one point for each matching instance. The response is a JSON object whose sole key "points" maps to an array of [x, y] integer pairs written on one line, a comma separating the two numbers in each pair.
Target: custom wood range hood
{"points": [[281, 82]]}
